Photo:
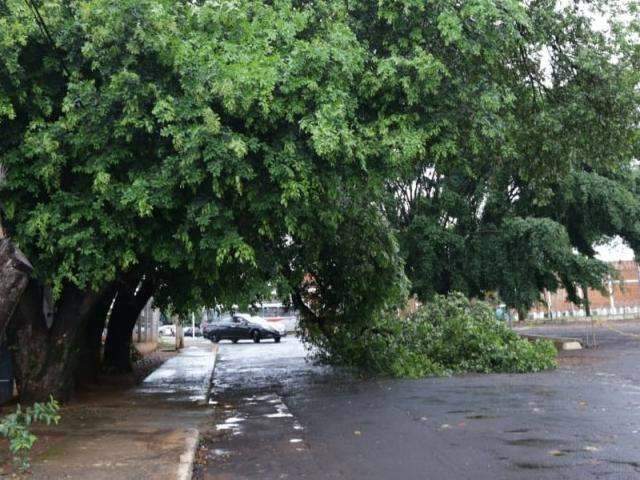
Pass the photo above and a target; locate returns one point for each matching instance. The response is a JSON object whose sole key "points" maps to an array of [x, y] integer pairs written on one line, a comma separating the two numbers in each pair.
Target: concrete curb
{"points": [[192, 437], [561, 343], [185, 468], [209, 380]]}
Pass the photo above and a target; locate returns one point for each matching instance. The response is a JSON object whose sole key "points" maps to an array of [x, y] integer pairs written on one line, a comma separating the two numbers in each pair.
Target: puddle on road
{"points": [[221, 452], [536, 466], [231, 424], [282, 411], [628, 463], [274, 402], [590, 448], [279, 414], [234, 420], [534, 442], [233, 427], [248, 424], [561, 453]]}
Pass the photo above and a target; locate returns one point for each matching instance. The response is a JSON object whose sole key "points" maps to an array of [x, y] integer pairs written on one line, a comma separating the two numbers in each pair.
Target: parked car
{"points": [[189, 333], [237, 327], [167, 331]]}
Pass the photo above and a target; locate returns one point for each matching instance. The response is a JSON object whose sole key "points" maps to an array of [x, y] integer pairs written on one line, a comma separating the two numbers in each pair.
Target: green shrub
{"points": [[449, 335], [15, 427]]}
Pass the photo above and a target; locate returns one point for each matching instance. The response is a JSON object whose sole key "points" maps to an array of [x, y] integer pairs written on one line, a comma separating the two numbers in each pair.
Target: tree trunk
{"points": [[126, 309], [45, 360], [14, 277], [522, 313], [308, 313], [585, 300], [90, 355]]}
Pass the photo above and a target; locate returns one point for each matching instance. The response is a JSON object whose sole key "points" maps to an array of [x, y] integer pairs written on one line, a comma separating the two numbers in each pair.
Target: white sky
{"points": [[614, 251]]}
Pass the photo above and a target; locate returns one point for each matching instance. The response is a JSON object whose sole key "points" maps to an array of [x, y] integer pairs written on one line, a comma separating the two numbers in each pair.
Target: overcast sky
{"points": [[617, 249], [614, 251]]}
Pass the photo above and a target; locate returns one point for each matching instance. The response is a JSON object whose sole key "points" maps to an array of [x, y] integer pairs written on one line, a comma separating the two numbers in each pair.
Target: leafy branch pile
{"points": [[448, 335]]}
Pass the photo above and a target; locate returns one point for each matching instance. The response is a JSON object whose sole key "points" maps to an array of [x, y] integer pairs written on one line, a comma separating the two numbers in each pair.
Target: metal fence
{"points": [[578, 315]]}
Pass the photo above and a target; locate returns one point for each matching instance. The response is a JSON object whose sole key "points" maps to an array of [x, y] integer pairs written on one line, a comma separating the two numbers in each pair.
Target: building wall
{"points": [[623, 296]]}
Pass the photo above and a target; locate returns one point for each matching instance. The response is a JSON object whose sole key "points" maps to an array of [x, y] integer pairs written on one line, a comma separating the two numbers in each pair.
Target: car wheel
{"points": [[276, 339], [215, 339], [235, 340], [256, 336]]}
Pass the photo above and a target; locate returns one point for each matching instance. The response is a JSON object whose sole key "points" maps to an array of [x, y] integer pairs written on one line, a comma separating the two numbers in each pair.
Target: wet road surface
{"points": [[278, 416]]}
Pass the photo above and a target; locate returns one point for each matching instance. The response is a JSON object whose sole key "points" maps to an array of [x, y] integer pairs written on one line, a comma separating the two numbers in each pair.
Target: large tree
{"points": [[169, 143], [516, 151], [180, 145], [507, 134]]}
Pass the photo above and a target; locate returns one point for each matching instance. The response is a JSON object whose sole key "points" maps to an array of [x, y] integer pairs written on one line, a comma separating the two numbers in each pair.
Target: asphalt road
{"points": [[278, 417]]}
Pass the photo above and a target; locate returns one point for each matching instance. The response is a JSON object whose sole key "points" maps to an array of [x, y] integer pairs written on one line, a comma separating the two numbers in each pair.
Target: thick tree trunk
{"points": [[45, 359], [117, 348], [90, 355], [126, 309], [14, 277], [522, 313]]}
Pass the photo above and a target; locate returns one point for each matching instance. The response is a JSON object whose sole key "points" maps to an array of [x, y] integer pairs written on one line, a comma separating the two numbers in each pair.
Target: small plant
{"points": [[15, 427]]}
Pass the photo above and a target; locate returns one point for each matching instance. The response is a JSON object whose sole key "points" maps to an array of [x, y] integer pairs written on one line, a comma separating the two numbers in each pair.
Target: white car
{"points": [[278, 326], [167, 331]]}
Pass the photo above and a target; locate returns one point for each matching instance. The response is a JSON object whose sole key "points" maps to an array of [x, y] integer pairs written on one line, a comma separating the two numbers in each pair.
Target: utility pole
{"points": [[612, 304]]}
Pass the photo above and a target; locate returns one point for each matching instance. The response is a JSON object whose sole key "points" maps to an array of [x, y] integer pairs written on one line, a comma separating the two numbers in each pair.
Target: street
{"points": [[278, 416]]}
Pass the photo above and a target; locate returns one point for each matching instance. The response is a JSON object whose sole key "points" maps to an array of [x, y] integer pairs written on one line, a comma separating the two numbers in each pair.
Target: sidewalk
{"points": [[140, 433]]}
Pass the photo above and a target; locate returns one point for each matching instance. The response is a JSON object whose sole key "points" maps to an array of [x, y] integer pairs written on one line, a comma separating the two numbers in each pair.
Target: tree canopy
{"points": [[335, 149], [518, 157], [165, 135]]}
